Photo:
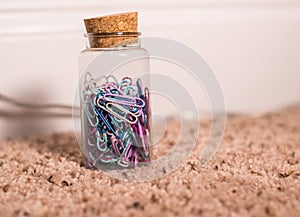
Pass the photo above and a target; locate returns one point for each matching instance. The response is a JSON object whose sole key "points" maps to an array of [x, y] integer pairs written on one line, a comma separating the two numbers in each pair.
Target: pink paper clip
{"points": [[142, 133]]}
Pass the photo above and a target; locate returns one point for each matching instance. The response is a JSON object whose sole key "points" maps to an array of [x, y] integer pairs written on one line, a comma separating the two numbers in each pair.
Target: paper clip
{"points": [[126, 150], [125, 82], [87, 111], [147, 100], [114, 143], [103, 146], [93, 124], [134, 158], [147, 108], [91, 132], [92, 86], [106, 122], [108, 159], [141, 104], [115, 123], [143, 119], [128, 154], [118, 116], [127, 90], [112, 88], [102, 138], [142, 133], [123, 163], [91, 156], [112, 108], [133, 109], [101, 157], [114, 80], [100, 94], [120, 108], [134, 139], [139, 86], [120, 99], [90, 143], [87, 77]]}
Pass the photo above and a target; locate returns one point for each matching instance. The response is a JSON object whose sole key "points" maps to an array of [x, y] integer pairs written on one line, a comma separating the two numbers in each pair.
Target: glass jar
{"points": [[114, 101]]}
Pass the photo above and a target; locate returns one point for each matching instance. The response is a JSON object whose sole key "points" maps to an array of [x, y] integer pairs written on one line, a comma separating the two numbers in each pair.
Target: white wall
{"points": [[252, 45]]}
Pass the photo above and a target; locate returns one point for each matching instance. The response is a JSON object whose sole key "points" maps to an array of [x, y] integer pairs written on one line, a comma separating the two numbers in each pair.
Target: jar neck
{"points": [[112, 40]]}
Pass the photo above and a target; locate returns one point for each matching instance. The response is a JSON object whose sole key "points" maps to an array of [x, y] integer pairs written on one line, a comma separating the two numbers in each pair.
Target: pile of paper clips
{"points": [[116, 122]]}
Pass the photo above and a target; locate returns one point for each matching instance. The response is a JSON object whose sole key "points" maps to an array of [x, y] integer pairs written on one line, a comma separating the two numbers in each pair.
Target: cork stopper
{"points": [[100, 30]]}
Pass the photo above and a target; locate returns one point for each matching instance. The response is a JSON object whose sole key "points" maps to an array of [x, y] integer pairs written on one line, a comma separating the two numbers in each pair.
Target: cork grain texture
{"points": [[124, 22], [256, 172]]}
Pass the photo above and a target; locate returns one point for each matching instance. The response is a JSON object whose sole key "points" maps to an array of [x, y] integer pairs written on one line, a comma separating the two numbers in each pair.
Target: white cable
{"points": [[66, 109]]}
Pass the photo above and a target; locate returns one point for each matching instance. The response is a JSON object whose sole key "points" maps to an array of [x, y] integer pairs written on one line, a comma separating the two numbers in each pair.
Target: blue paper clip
{"points": [[114, 79], [130, 88], [139, 86], [107, 124], [115, 123]]}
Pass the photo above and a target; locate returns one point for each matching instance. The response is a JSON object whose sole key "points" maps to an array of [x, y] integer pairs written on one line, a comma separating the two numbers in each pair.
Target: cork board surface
{"points": [[256, 172]]}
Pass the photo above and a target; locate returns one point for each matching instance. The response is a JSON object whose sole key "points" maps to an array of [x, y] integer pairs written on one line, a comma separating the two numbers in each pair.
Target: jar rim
{"points": [[112, 34]]}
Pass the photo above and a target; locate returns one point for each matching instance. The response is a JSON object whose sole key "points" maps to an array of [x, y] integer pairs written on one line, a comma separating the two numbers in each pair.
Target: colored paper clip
{"points": [[126, 152], [95, 160], [111, 106], [141, 134], [103, 157], [120, 99], [118, 120], [113, 88], [115, 123], [90, 143], [134, 140], [101, 142], [102, 138], [92, 84], [91, 132], [134, 102], [87, 77], [125, 82], [102, 146], [107, 124], [115, 142], [114, 80], [140, 102], [147, 108], [139, 86], [134, 158], [129, 90], [87, 110], [133, 109], [123, 163], [100, 94], [122, 113], [109, 158], [143, 119], [91, 156], [92, 123]]}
